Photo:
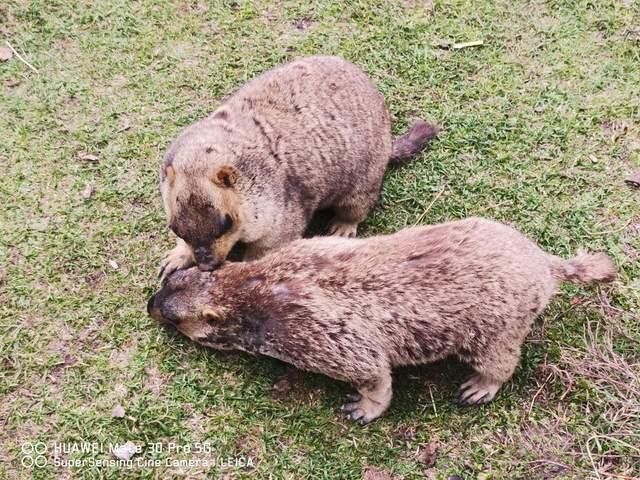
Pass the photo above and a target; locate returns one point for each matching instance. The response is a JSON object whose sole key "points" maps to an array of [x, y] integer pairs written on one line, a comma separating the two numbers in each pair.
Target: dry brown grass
{"points": [[612, 376]]}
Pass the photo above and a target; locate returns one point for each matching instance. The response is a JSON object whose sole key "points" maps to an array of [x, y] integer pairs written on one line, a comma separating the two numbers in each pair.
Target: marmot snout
{"points": [[353, 309], [312, 134]]}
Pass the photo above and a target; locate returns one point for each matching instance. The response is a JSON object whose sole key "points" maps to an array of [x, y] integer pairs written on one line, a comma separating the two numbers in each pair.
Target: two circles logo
{"points": [[33, 454]]}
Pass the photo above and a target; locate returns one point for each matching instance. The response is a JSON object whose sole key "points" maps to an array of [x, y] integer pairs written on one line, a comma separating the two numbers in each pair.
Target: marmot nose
{"points": [[206, 261], [208, 266], [150, 304]]}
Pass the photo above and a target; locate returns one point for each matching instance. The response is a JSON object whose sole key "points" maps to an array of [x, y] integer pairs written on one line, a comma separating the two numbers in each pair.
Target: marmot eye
{"points": [[227, 223]]}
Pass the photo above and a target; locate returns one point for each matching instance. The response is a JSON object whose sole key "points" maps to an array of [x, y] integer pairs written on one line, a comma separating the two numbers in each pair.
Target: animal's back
{"points": [[319, 117], [432, 288]]}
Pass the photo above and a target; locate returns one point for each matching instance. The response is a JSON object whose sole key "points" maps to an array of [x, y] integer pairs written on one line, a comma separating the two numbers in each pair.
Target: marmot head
{"points": [[202, 203], [184, 303]]}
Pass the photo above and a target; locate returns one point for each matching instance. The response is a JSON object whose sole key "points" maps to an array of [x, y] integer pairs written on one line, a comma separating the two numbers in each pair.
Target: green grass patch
{"points": [[541, 127]]}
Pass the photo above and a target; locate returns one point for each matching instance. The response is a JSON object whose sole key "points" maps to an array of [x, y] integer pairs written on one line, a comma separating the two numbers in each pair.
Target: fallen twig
{"points": [[20, 57], [421, 217], [475, 43], [446, 45], [533, 401]]}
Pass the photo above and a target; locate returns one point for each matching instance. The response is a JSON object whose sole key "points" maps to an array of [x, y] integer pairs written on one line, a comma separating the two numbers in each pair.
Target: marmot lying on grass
{"points": [[308, 135], [354, 308]]}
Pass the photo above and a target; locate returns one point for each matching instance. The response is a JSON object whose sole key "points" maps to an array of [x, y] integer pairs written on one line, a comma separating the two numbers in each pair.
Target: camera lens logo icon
{"points": [[33, 454]]}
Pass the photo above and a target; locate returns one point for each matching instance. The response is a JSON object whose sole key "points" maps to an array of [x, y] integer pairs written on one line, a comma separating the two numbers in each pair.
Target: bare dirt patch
{"points": [[197, 426], [155, 381], [419, 5], [290, 387], [375, 473], [121, 359]]}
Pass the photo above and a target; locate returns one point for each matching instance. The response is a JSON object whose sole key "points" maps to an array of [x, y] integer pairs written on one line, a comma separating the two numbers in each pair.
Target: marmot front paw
{"points": [[363, 410], [478, 390], [177, 259], [343, 229]]}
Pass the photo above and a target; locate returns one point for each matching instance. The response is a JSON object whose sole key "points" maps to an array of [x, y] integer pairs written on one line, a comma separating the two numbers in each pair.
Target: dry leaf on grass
{"points": [[633, 180], [118, 411], [88, 191], [5, 54], [428, 454], [89, 157]]}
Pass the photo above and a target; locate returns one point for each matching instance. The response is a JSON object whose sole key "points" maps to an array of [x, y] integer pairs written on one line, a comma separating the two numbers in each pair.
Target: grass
{"points": [[541, 127]]}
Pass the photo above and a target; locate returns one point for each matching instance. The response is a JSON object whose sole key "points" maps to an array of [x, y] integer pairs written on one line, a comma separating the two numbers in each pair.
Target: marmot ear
{"points": [[225, 176], [210, 315]]}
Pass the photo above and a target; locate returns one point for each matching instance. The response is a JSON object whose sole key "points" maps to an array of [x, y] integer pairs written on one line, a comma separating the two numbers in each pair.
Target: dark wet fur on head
{"points": [[198, 221]]}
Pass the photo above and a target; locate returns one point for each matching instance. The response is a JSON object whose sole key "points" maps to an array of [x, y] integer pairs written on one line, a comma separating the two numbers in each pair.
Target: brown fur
{"points": [[353, 309], [308, 135]]}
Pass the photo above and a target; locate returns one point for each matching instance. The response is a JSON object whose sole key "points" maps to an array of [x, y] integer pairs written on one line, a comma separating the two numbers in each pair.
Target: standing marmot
{"points": [[353, 309], [308, 135]]}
